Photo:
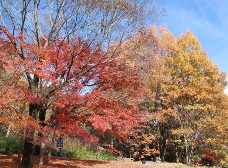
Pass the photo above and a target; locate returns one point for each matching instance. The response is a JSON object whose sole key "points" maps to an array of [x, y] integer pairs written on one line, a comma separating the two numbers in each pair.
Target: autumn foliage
{"points": [[157, 94], [64, 86], [184, 92], [61, 73]]}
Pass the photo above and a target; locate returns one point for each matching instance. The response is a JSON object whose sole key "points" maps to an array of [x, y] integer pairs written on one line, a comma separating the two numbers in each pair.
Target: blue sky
{"points": [[207, 19]]}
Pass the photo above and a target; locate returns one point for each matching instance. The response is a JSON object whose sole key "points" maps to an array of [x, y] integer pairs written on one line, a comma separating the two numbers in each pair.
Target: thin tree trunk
{"points": [[20, 147], [191, 151], [186, 151], [42, 149], [112, 141], [42, 114], [162, 150], [8, 131], [162, 141], [177, 156], [50, 150], [49, 155]]}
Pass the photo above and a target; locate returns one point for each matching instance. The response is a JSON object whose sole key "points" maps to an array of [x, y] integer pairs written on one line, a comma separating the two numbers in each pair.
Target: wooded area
{"points": [[94, 71]]}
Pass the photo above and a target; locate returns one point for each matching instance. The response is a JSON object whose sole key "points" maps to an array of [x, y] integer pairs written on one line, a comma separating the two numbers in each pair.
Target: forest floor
{"points": [[10, 161]]}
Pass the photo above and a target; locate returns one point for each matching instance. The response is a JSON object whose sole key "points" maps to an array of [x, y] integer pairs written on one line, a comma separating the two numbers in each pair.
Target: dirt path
{"points": [[11, 162]]}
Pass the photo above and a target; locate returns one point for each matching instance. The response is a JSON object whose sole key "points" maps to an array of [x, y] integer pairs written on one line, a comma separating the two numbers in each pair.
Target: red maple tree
{"points": [[74, 84]]}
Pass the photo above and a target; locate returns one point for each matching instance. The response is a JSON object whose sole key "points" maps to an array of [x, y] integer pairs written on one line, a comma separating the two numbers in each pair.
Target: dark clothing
{"points": [[60, 143], [59, 146], [59, 153]]}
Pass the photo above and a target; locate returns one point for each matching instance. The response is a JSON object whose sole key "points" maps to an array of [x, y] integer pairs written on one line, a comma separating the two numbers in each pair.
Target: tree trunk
{"points": [[8, 131], [42, 114], [186, 151], [20, 147], [162, 150], [177, 156], [37, 150], [49, 154], [112, 141], [27, 156], [162, 141], [28, 144], [42, 149], [191, 152], [50, 150]]}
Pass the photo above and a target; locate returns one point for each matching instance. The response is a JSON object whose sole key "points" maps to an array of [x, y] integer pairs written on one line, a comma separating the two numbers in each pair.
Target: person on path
{"points": [[59, 146]]}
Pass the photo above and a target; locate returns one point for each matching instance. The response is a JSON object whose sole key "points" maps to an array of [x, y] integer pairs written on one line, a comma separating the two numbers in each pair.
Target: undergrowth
{"points": [[77, 149], [72, 149], [9, 145]]}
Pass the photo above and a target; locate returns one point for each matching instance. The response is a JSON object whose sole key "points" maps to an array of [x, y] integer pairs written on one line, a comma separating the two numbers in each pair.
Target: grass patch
{"points": [[72, 149], [10, 145], [76, 149]]}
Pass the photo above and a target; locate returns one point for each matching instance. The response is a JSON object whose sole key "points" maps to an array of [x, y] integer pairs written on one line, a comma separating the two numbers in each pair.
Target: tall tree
{"points": [[101, 108], [12, 105], [34, 26], [196, 89], [146, 52], [184, 88]]}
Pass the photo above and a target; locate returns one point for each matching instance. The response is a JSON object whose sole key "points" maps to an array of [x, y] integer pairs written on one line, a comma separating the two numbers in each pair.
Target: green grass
{"points": [[75, 149], [72, 149], [9, 146]]}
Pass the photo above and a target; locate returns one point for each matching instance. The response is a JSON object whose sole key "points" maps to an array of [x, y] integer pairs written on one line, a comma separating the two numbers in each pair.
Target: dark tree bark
{"points": [[163, 140], [28, 144], [42, 115], [27, 156]]}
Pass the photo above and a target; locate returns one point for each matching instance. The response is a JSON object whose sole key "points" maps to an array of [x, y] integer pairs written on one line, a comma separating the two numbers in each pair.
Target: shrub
{"points": [[77, 149], [9, 145]]}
